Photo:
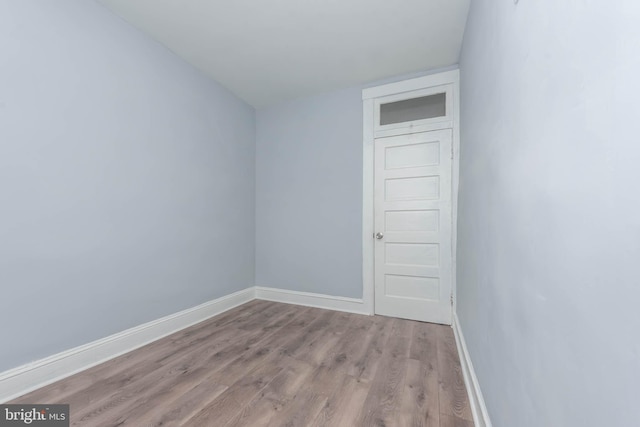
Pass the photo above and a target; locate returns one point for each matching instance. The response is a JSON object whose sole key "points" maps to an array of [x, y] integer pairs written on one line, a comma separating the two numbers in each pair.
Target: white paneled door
{"points": [[412, 204]]}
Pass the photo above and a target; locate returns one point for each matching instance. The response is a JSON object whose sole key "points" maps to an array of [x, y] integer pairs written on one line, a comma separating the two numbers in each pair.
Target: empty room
{"points": [[319, 213]]}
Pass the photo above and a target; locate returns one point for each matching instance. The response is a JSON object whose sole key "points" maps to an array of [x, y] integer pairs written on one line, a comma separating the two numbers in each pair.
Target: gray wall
{"points": [[309, 192], [549, 214], [126, 180], [309, 195]]}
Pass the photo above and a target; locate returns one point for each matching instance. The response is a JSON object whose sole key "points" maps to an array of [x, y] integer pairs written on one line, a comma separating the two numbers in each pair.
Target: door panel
{"points": [[413, 214], [412, 188], [412, 220], [411, 286], [407, 156]]}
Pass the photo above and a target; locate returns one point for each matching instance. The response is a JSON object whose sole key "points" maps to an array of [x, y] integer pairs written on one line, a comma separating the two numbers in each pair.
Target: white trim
{"points": [[478, 407], [432, 90], [24, 379], [369, 134], [430, 127], [455, 180], [443, 78], [350, 305]]}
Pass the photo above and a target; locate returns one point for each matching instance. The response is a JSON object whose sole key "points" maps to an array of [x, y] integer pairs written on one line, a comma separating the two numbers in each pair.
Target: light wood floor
{"points": [[266, 363]]}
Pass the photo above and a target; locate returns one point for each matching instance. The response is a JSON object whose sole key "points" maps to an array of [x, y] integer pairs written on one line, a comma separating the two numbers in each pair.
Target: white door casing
{"points": [[412, 213], [375, 129]]}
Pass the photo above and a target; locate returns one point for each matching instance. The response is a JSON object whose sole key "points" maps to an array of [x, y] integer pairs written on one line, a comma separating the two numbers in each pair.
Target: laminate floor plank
{"points": [[171, 381], [325, 379], [204, 331], [343, 405], [180, 409], [235, 331], [309, 334], [402, 328], [450, 421], [297, 326], [164, 386], [272, 364], [230, 402], [366, 365], [163, 382], [452, 393], [381, 406], [93, 397], [346, 348], [424, 343], [230, 355], [301, 410], [331, 332], [276, 395], [419, 402]]}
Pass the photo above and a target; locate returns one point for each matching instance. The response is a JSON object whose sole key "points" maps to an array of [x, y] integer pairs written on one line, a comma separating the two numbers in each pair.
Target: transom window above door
{"points": [[409, 110], [425, 107]]}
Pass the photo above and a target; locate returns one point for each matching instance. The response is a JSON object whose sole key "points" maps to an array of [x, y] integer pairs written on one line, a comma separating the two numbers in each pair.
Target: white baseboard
{"points": [[478, 407], [350, 305], [24, 379], [29, 377]]}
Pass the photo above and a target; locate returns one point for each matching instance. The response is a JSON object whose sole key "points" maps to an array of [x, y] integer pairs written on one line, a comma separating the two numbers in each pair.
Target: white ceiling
{"points": [[272, 50]]}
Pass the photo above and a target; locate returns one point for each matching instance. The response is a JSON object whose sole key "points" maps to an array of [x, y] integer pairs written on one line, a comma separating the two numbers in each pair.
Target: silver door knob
{"points": [[379, 235]]}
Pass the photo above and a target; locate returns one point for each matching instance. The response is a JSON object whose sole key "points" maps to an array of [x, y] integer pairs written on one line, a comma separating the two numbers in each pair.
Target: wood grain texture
{"points": [[382, 404], [272, 364], [419, 403], [453, 394], [449, 421]]}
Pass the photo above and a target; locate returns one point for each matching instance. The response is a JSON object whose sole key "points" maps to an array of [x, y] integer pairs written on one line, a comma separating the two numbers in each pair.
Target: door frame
{"points": [[370, 99]]}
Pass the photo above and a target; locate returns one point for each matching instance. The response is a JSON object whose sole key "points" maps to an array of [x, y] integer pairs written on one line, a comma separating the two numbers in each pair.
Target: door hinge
{"points": [[452, 300]]}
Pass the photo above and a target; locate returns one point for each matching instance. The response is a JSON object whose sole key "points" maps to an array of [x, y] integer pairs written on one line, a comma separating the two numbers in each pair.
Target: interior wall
{"points": [[126, 180], [549, 223], [309, 194]]}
